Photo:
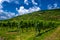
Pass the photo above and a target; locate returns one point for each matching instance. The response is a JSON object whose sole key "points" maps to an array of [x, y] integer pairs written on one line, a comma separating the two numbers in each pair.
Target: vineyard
{"points": [[37, 22]]}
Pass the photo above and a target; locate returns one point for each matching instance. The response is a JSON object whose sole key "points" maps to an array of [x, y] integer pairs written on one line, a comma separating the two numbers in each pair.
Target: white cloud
{"points": [[3, 17], [9, 14], [33, 1], [16, 2], [6, 14], [1, 6], [26, 2], [1, 1], [1, 11], [22, 10], [50, 6], [55, 6]]}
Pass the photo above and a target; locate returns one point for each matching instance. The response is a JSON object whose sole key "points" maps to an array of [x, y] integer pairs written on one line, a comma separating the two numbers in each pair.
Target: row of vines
{"points": [[37, 24]]}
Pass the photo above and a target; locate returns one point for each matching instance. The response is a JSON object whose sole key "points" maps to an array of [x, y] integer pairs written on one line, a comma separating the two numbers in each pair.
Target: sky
{"points": [[13, 8]]}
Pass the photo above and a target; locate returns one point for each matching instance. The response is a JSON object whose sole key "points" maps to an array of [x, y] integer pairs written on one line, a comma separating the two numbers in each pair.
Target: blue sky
{"points": [[12, 8]]}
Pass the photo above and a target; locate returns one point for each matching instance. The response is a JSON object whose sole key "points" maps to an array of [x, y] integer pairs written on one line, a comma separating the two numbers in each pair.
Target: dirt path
{"points": [[55, 35]]}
